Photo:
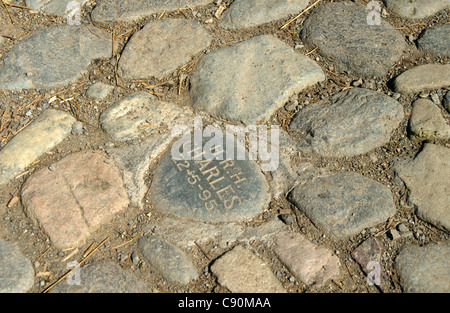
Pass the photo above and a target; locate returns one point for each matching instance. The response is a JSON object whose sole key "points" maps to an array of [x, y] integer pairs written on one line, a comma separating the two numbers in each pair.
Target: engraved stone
{"points": [[209, 190]]}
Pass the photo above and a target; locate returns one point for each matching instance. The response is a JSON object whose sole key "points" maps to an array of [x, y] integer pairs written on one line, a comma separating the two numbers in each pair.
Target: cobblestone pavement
{"points": [[352, 96]]}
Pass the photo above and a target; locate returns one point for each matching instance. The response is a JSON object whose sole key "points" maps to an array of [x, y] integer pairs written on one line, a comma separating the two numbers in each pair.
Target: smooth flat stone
{"points": [[53, 57], [102, 277], [131, 10], [241, 271], [416, 9], [426, 176], [435, 40], [250, 80], [349, 123], [424, 269], [308, 262], [47, 131], [172, 262], [427, 121], [349, 42], [422, 78], [161, 47], [343, 204], [249, 13], [16, 271]]}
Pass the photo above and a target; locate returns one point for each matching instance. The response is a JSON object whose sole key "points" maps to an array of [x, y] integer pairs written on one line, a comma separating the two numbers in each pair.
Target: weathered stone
{"points": [[139, 115], [80, 194], [424, 269], [161, 47], [188, 233], [241, 271], [52, 127], [99, 91], [416, 9], [343, 204], [209, 190], [308, 262], [368, 256], [249, 81], [53, 57], [102, 277], [423, 78], [446, 101], [134, 161], [16, 271], [349, 123], [435, 40], [249, 13], [350, 42], [130, 10], [426, 177], [56, 7], [427, 121], [172, 262]]}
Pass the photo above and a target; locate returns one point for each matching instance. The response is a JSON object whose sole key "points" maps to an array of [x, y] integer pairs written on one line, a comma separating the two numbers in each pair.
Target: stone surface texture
{"points": [[162, 46], [425, 77], [80, 194], [130, 10], [349, 123], [241, 271], [343, 204], [426, 176], [308, 262], [424, 269], [250, 80], [249, 13], [46, 132], [16, 271], [350, 42], [53, 57]]}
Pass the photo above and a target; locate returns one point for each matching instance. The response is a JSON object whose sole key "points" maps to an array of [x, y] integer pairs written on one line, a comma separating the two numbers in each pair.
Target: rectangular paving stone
{"points": [[308, 262], [241, 271]]}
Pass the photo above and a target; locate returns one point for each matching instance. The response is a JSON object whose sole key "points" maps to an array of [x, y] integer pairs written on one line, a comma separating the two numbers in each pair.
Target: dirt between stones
{"points": [[126, 227]]}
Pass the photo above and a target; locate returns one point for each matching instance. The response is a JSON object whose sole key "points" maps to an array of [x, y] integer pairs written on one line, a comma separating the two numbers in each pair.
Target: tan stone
{"points": [[81, 193]]}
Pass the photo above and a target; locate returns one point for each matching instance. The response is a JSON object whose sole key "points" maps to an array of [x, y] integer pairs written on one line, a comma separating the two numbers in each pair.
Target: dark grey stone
{"points": [[424, 269], [16, 271], [249, 13], [436, 40], [53, 57], [209, 190], [172, 262], [343, 36], [101, 277], [446, 101], [349, 123], [343, 204]]}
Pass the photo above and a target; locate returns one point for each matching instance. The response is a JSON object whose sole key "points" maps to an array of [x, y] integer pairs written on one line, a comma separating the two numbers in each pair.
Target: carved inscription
{"points": [[217, 182], [214, 190]]}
